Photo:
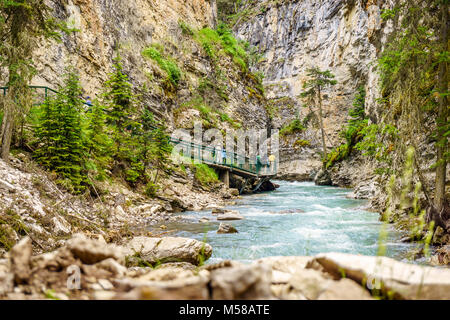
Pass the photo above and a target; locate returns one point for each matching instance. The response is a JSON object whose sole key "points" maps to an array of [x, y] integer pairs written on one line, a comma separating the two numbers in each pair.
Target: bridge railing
{"points": [[211, 155], [204, 153]]}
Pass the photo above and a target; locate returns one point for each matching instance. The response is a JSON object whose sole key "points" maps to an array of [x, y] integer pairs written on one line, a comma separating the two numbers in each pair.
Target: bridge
{"points": [[224, 164]]}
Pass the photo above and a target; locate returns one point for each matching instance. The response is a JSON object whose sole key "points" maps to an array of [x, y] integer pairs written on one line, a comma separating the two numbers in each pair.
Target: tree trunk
{"points": [[7, 130], [442, 118], [214, 13], [325, 154]]}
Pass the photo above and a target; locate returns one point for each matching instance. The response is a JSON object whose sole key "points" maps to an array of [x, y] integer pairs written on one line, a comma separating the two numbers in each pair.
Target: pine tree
{"points": [[414, 86], [313, 87], [61, 148], [22, 24], [120, 102], [99, 144]]}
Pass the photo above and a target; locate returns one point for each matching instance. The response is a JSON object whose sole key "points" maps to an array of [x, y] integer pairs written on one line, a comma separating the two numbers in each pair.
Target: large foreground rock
{"points": [[405, 281], [170, 249], [91, 251], [241, 282]]}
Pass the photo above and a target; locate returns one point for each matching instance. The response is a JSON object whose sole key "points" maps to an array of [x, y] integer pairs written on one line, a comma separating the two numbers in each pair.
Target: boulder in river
{"points": [[170, 249], [289, 211], [226, 228], [230, 216], [323, 178]]}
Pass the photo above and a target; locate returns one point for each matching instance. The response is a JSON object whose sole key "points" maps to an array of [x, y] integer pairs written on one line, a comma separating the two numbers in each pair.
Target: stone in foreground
{"points": [[405, 281], [170, 249]]}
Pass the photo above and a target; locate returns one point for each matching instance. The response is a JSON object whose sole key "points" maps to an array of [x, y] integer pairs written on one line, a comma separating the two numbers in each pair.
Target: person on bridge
{"points": [[258, 163], [224, 156], [272, 160], [219, 155]]}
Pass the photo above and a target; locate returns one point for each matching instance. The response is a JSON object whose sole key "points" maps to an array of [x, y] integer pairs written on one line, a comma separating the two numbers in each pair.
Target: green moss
{"points": [[205, 175], [10, 225], [295, 126], [168, 64], [300, 143]]}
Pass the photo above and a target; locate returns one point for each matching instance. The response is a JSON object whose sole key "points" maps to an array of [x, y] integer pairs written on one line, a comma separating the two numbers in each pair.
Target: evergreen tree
{"points": [[319, 80], [99, 144], [22, 24], [61, 148], [121, 102], [414, 83]]}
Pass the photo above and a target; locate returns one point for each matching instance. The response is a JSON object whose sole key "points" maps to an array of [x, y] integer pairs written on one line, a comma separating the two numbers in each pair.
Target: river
{"points": [[325, 220]]}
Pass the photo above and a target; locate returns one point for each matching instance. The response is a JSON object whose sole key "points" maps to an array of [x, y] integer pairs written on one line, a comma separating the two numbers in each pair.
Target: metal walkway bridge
{"points": [[238, 164]]}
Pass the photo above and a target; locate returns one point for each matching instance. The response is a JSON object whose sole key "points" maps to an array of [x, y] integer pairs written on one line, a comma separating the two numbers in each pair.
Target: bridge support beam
{"points": [[224, 176]]}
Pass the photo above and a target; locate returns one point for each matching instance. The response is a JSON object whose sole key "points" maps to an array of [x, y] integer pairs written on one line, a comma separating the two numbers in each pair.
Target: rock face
{"points": [[296, 35], [170, 249], [132, 26]]}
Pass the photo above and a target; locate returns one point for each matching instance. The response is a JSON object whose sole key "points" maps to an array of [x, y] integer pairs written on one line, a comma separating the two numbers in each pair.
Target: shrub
{"points": [[295, 126], [205, 175], [155, 53]]}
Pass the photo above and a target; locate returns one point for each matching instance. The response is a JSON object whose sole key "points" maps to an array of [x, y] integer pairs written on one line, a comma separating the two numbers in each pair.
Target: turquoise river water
{"points": [[324, 220]]}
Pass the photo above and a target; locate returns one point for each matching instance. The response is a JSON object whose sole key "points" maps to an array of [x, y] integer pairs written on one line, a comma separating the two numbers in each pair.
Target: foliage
{"points": [[120, 103], [23, 23], [98, 143], [185, 28], [295, 126], [155, 52], [318, 81], [219, 42], [61, 148], [300, 143], [353, 132], [205, 175], [414, 79]]}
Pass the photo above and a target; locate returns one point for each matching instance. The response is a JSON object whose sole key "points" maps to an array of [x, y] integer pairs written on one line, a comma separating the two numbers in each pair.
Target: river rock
{"points": [[441, 257], [230, 216], [323, 178], [289, 265], [91, 251], [217, 210], [243, 282], [309, 283], [406, 281], [289, 211], [170, 249], [166, 285], [345, 289], [226, 228]]}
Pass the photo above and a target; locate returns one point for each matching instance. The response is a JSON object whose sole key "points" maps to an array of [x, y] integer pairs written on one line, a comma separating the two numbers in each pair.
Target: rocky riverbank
{"points": [[34, 205], [172, 268]]}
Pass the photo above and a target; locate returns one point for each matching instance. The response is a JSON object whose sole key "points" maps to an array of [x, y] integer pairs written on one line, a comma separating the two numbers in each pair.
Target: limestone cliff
{"points": [[296, 35], [106, 27]]}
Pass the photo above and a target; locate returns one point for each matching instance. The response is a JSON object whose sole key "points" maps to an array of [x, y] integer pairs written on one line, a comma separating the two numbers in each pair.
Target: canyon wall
{"points": [[128, 27], [336, 35]]}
